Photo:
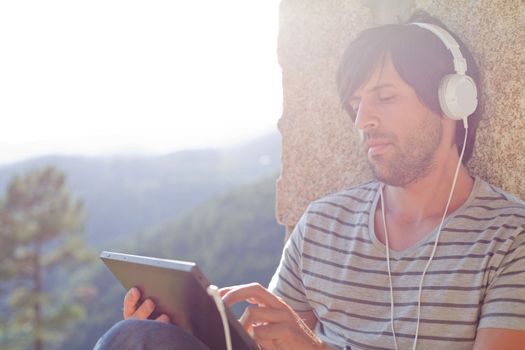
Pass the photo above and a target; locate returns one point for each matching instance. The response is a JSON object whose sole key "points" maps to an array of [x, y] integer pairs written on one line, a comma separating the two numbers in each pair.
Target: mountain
{"points": [[125, 194]]}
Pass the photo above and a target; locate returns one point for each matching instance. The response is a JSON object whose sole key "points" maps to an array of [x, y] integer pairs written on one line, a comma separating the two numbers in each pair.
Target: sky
{"points": [[103, 77]]}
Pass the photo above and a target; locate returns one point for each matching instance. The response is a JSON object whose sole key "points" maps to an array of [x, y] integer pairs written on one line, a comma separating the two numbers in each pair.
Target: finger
{"points": [[260, 315], [144, 310], [224, 290], [130, 302], [163, 318], [247, 326], [254, 293], [270, 332]]}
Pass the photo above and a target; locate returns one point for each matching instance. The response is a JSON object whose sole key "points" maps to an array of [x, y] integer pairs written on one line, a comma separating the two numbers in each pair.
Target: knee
{"points": [[128, 334]]}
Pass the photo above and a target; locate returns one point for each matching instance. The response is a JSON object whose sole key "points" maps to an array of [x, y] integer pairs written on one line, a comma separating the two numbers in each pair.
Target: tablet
{"points": [[178, 288]]}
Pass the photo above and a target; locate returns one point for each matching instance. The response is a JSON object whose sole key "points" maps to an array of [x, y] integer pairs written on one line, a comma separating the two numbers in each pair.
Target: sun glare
{"points": [[100, 77]]}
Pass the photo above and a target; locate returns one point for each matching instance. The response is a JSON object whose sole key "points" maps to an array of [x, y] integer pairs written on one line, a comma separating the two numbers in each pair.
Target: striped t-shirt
{"points": [[334, 264]]}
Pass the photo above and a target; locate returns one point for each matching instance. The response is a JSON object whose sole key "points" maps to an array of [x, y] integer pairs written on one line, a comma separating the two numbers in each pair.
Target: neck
{"points": [[427, 196]]}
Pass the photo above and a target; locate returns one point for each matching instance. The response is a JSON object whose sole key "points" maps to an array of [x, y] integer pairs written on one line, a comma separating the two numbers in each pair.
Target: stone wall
{"points": [[320, 151]]}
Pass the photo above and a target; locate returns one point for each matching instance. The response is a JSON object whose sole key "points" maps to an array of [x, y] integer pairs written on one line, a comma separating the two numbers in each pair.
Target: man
{"points": [[424, 257]]}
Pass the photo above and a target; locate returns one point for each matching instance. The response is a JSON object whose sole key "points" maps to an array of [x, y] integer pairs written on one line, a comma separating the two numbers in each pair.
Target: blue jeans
{"points": [[148, 335]]}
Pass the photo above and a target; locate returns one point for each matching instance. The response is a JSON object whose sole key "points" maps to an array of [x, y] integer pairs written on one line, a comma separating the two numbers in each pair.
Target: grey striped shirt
{"points": [[334, 265]]}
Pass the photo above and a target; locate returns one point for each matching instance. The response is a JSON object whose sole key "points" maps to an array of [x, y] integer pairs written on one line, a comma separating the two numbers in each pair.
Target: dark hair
{"points": [[420, 58]]}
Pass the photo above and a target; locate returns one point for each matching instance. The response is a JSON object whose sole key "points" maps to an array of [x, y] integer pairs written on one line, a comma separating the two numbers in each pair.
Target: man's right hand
{"points": [[140, 311]]}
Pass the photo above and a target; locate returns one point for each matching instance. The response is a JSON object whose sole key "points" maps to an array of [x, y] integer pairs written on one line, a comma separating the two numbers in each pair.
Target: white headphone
{"points": [[458, 95]]}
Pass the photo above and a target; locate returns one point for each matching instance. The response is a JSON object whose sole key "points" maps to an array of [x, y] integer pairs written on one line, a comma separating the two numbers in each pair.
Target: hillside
{"points": [[126, 194]]}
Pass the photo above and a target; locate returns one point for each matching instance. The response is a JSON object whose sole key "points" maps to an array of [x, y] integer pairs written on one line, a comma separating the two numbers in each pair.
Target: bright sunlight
{"points": [[113, 76]]}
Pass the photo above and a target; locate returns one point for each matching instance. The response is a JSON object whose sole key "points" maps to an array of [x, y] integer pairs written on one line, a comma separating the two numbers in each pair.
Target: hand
{"points": [[132, 308], [271, 322]]}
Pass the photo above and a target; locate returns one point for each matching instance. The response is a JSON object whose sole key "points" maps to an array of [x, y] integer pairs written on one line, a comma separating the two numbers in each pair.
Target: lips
{"points": [[376, 146]]}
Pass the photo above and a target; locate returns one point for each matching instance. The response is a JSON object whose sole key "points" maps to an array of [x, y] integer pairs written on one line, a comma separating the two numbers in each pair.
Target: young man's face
{"points": [[399, 133]]}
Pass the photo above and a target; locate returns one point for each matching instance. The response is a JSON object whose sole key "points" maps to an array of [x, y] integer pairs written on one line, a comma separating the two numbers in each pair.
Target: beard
{"points": [[411, 158]]}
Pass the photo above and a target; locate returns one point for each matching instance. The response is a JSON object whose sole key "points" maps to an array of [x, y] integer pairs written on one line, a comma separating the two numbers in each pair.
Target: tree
{"points": [[42, 226]]}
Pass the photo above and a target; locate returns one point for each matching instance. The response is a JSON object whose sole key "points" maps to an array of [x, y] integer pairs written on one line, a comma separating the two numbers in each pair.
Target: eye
{"points": [[386, 98]]}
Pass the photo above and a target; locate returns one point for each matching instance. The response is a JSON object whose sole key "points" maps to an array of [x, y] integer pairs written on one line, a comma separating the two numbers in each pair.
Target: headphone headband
{"points": [[458, 96], [460, 64]]}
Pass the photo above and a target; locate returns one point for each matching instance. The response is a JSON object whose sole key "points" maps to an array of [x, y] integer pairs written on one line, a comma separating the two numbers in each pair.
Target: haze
{"points": [[106, 77]]}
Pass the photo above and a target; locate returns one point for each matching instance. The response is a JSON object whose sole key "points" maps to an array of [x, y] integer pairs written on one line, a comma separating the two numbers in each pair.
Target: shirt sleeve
{"points": [[287, 281], [504, 302]]}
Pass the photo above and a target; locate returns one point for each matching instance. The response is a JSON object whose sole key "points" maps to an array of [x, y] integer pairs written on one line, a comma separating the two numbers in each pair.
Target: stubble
{"points": [[411, 158]]}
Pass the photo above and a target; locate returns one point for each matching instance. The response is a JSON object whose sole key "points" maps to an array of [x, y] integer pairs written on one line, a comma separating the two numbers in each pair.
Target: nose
{"points": [[366, 116]]}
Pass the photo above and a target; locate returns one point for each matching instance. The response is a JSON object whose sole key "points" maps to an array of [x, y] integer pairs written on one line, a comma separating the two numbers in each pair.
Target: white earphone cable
{"points": [[213, 291], [387, 247], [389, 272]]}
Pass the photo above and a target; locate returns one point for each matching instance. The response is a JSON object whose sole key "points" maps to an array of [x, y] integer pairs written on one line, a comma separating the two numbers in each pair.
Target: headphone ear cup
{"points": [[458, 96]]}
